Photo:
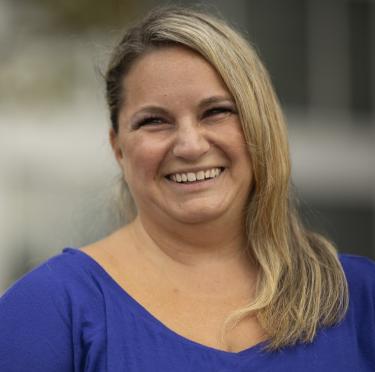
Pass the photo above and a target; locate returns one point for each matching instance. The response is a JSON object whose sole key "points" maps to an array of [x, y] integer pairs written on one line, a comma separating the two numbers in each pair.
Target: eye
{"points": [[150, 121], [218, 112]]}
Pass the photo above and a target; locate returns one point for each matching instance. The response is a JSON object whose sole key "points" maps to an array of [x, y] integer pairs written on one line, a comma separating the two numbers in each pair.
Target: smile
{"points": [[195, 176]]}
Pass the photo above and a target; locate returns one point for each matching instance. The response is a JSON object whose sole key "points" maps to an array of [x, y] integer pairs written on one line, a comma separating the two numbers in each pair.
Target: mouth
{"points": [[194, 177]]}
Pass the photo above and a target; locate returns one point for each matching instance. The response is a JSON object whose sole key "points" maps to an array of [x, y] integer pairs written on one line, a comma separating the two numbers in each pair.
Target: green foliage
{"points": [[85, 15]]}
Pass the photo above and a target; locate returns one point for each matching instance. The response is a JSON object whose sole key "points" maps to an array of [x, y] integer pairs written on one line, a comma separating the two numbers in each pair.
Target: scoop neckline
{"points": [[255, 349]]}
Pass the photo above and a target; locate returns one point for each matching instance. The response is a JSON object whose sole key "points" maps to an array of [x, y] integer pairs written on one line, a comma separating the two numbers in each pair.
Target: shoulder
{"points": [[35, 319], [59, 305], [59, 281], [45, 276], [359, 271], [360, 275]]}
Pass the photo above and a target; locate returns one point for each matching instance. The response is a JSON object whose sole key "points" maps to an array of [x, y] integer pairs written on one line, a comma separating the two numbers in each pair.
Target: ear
{"points": [[117, 150], [113, 138]]}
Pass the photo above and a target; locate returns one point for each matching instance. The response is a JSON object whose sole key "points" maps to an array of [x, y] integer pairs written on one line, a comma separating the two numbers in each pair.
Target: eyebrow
{"points": [[152, 109], [214, 99], [158, 110]]}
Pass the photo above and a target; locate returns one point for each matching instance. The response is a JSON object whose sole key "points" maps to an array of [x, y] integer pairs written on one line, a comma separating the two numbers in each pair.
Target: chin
{"points": [[198, 215]]}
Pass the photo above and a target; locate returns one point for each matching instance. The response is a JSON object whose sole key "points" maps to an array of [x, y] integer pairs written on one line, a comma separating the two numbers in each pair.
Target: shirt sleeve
{"points": [[360, 273], [35, 334]]}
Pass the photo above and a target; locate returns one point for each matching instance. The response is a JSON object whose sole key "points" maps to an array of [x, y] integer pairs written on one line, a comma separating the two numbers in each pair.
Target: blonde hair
{"points": [[301, 286]]}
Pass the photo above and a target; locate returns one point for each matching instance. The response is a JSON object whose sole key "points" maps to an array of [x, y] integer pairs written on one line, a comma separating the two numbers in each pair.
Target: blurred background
{"points": [[57, 173]]}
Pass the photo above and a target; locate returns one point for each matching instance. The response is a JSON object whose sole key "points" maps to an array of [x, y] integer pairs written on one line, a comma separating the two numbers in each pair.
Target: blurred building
{"points": [[56, 169]]}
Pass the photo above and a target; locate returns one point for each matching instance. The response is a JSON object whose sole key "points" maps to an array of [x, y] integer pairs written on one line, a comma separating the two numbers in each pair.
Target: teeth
{"points": [[191, 177], [197, 176], [200, 175]]}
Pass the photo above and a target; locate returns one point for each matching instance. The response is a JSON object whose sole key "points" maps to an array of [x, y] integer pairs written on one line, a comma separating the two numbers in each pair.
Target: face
{"points": [[180, 144]]}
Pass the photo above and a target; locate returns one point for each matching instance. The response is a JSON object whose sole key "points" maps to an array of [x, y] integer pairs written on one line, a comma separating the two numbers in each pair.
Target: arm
{"points": [[35, 330]]}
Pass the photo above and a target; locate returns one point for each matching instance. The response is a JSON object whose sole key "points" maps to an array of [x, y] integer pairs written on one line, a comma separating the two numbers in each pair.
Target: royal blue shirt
{"points": [[68, 314]]}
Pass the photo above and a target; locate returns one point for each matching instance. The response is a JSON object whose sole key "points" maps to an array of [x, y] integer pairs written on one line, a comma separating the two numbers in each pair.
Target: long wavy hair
{"points": [[301, 286]]}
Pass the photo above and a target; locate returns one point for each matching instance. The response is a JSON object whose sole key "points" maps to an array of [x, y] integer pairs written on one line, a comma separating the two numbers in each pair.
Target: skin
{"points": [[187, 244], [185, 136]]}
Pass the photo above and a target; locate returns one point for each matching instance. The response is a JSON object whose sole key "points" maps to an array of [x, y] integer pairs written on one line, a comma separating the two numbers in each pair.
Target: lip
{"points": [[196, 185], [194, 170]]}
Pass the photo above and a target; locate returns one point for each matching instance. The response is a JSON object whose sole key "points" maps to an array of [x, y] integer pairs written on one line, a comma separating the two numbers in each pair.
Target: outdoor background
{"points": [[57, 173]]}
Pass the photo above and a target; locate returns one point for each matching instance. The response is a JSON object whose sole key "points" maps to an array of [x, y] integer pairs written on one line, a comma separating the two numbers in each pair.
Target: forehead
{"points": [[170, 72]]}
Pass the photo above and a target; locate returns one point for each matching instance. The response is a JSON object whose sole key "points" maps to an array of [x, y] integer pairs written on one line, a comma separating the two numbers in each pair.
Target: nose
{"points": [[191, 142]]}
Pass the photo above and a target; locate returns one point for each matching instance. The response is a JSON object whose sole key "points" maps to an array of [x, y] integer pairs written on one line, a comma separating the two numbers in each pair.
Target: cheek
{"points": [[142, 159], [238, 142], [232, 140]]}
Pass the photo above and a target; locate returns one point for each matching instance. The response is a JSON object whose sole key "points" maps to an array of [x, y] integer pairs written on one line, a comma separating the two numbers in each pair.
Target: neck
{"points": [[192, 244], [210, 258]]}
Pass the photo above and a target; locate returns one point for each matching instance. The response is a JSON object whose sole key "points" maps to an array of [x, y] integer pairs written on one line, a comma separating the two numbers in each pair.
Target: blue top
{"points": [[68, 314]]}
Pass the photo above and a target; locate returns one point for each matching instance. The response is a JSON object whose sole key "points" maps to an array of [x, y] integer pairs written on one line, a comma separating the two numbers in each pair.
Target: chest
{"points": [[147, 346], [187, 311], [198, 318]]}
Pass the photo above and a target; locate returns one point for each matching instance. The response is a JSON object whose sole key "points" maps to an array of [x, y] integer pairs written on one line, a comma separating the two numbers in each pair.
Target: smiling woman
{"points": [[215, 272], [179, 121]]}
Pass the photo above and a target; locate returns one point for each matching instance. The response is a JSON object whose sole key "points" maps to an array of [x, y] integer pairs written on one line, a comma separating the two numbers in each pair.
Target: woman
{"points": [[215, 271]]}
